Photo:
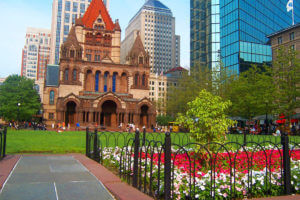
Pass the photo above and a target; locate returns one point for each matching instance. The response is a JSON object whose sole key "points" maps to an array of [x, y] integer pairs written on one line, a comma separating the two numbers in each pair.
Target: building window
{"points": [[82, 8], [88, 57], [293, 47], [51, 98], [114, 82], [67, 18], [66, 29], [292, 36], [144, 80], [136, 80], [74, 17], [141, 60], [66, 74], [97, 82], [51, 115], [68, 6], [72, 53], [97, 58], [279, 40], [105, 81], [74, 75], [75, 6]]}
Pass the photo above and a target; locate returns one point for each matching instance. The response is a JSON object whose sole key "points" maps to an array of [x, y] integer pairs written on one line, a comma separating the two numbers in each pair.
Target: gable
{"points": [[95, 11]]}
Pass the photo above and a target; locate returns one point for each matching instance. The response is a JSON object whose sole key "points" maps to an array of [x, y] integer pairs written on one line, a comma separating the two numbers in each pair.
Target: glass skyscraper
{"points": [[244, 25], [205, 33]]}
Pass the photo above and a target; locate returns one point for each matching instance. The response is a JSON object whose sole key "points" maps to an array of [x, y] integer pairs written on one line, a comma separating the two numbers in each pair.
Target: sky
{"points": [[17, 15]]}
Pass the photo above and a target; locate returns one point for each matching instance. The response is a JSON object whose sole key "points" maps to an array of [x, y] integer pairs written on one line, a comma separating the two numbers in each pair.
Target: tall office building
{"points": [[244, 26], [155, 23], [35, 54], [205, 34], [64, 14]]}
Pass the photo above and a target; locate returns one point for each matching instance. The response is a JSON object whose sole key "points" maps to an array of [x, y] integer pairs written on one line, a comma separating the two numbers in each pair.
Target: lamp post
{"points": [[18, 116]]}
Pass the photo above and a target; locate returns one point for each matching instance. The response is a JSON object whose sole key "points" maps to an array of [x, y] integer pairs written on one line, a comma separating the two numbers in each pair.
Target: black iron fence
{"points": [[173, 166], [2, 142]]}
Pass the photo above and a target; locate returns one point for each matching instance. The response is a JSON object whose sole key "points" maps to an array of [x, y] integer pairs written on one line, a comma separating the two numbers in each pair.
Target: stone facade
{"points": [[289, 38], [160, 86], [93, 87]]}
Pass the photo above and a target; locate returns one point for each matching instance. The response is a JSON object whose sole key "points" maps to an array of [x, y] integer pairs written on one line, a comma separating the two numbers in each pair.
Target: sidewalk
{"points": [[63, 177], [53, 178]]}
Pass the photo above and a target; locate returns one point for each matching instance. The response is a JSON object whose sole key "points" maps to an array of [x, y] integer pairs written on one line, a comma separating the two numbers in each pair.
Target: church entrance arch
{"points": [[70, 114], [144, 118], [109, 114]]}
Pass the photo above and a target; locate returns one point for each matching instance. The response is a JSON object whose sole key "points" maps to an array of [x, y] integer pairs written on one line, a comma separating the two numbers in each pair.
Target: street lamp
{"points": [[18, 119]]}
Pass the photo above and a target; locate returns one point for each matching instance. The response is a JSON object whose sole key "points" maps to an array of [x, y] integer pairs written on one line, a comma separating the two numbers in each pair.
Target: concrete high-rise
{"points": [[155, 23], [64, 14], [35, 54], [243, 27]]}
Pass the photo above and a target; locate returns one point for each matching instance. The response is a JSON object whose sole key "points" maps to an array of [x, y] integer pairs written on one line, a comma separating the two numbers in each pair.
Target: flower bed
{"points": [[223, 176]]}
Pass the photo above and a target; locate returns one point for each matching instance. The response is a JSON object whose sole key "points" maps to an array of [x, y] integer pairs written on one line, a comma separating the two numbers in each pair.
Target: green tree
{"points": [[163, 120], [18, 98], [252, 93], [206, 118], [189, 85], [287, 79], [187, 89]]}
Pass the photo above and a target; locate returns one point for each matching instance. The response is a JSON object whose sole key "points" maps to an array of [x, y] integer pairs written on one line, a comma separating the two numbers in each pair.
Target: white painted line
{"points": [[80, 181], [55, 191], [10, 174], [101, 184]]}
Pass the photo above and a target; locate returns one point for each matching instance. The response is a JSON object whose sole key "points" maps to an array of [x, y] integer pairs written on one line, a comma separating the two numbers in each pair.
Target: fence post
{"points": [[96, 147], [167, 169], [246, 132], [144, 136], [286, 163], [136, 158], [4, 141], [87, 143]]}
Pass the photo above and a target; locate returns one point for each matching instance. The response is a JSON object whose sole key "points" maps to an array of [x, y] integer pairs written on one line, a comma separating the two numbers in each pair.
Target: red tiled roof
{"points": [[96, 7], [176, 69]]}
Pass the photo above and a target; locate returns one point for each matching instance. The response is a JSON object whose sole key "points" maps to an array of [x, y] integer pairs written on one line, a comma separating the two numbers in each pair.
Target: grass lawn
{"points": [[25, 141], [50, 142]]}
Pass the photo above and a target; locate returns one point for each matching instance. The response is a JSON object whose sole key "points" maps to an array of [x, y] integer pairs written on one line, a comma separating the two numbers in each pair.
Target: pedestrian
{"points": [[77, 126], [278, 132]]}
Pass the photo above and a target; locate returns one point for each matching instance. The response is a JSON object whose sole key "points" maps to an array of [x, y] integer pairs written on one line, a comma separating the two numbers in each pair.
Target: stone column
{"points": [[91, 116], [101, 82], [125, 118]]}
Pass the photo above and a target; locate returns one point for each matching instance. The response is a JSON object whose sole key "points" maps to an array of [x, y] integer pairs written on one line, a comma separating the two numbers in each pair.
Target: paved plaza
{"points": [[52, 178]]}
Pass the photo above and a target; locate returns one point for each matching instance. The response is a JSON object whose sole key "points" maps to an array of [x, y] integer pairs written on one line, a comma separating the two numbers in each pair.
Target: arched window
{"points": [[144, 80], [51, 98], [74, 75], [141, 60], [136, 80], [105, 81], [72, 53], [114, 82], [97, 81], [66, 74]]}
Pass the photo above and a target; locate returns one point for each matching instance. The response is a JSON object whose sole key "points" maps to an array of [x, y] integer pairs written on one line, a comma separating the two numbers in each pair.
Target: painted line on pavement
{"points": [[10, 174]]}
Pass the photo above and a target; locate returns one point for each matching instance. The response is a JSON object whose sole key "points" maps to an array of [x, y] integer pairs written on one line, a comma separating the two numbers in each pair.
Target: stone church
{"points": [[92, 87]]}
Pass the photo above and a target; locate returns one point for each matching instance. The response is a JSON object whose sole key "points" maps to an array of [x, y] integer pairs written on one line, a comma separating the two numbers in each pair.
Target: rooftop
{"points": [[284, 30], [155, 6], [176, 69]]}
